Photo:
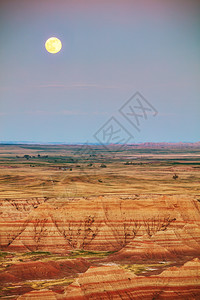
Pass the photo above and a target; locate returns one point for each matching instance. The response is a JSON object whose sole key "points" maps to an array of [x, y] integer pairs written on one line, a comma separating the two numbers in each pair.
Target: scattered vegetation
{"points": [[103, 166], [127, 231], [36, 253], [84, 253], [43, 284], [3, 254], [157, 223], [78, 235], [139, 269], [175, 176]]}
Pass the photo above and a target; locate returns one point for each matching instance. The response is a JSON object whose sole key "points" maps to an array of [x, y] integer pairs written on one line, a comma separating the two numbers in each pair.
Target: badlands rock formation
{"points": [[39, 295], [137, 228], [43, 270], [112, 282], [170, 224], [171, 244]]}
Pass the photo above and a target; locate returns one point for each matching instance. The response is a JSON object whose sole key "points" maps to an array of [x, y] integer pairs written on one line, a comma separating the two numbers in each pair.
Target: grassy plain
{"points": [[66, 171]]}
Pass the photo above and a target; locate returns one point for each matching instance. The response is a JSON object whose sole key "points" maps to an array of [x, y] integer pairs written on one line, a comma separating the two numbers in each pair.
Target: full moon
{"points": [[53, 45]]}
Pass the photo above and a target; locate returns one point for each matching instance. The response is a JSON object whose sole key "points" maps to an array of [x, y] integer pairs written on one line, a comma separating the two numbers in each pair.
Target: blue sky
{"points": [[111, 49]]}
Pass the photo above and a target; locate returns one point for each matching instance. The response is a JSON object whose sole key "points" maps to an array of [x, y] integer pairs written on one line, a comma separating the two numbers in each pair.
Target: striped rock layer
{"points": [[35, 270], [170, 224], [113, 282]]}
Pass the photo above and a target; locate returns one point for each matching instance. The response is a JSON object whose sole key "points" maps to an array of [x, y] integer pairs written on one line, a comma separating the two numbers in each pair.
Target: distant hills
{"points": [[167, 145], [143, 145]]}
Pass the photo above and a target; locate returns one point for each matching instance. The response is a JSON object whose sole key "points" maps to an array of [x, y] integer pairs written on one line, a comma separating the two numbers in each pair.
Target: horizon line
{"points": [[89, 143]]}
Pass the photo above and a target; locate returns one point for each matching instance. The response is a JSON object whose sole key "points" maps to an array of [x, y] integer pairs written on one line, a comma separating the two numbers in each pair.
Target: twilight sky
{"points": [[111, 49]]}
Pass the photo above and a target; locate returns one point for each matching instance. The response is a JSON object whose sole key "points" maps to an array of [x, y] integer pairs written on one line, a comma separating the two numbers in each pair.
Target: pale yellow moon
{"points": [[53, 45]]}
